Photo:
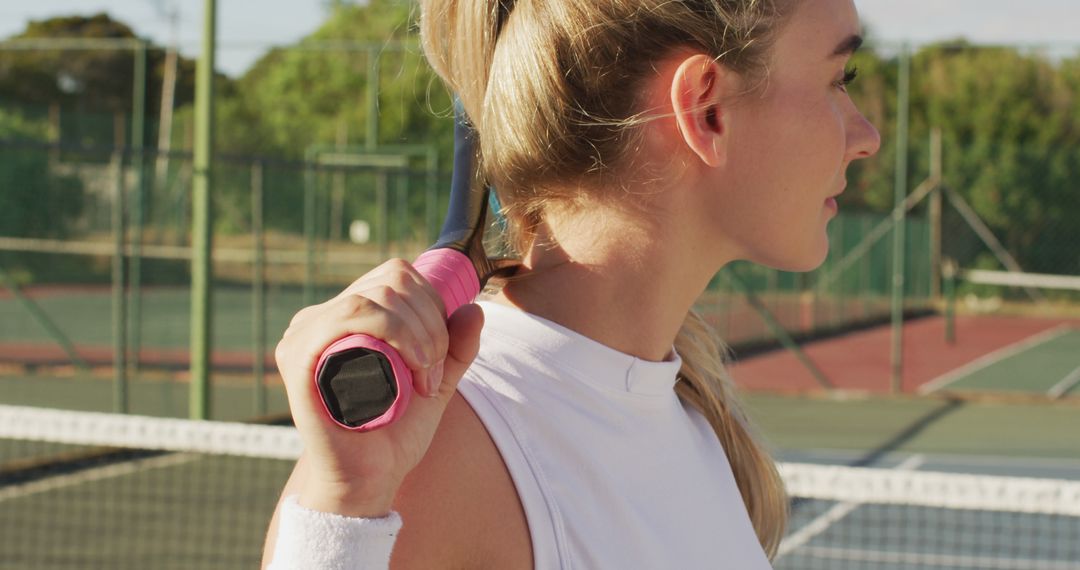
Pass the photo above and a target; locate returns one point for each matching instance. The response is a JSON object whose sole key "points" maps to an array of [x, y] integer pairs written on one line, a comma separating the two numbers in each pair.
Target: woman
{"points": [[637, 147]]}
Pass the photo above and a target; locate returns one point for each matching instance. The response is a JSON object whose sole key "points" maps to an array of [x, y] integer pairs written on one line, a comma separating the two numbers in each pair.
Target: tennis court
{"points": [[1045, 363], [863, 534], [88, 506], [915, 523], [1016, 354], [84, 490]]}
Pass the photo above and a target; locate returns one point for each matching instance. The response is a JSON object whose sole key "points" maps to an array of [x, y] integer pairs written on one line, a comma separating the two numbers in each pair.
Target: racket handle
{"points": [[362, 381]]}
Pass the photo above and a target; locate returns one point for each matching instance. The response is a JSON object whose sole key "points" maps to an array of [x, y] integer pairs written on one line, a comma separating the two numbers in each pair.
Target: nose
{"points": [[863, 139]]}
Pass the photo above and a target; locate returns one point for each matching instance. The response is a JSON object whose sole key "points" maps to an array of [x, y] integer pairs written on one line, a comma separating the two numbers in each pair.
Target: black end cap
{"points": [[357, 385]]}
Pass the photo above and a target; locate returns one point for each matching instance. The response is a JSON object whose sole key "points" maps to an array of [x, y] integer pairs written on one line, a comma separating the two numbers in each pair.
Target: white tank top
{"points": [[612, 470]]}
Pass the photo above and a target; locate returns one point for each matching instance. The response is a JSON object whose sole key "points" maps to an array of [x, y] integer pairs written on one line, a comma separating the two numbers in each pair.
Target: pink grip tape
{"points": [[452, 275]]}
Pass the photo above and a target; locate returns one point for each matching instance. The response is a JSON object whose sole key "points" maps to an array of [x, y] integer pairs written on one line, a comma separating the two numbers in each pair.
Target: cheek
{"points": [[788, 166]]}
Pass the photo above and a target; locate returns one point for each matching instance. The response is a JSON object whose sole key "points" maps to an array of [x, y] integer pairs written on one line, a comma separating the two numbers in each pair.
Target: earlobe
{"points": [[696, 100]]}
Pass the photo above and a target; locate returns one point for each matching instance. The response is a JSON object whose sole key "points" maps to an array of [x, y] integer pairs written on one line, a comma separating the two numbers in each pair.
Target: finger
{"points": [[408, 336], [419, 294], [465, 326], [366, 280], [380, 314], [417, 291], [464, 329], [387, 271]]}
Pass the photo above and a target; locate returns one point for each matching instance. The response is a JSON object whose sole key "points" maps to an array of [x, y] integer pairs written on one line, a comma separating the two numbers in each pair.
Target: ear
{"points": [[697, 95]]}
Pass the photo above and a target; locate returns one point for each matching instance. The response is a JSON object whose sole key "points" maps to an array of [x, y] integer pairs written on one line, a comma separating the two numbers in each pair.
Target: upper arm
{"points": [[459, 506]]}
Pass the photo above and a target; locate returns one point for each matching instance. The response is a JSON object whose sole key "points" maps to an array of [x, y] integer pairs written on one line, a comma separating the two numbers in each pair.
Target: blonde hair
{"points": [[553, 88]]}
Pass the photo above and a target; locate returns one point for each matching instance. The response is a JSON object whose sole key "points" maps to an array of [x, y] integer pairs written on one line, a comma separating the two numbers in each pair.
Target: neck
{"points": [[614, 279]]}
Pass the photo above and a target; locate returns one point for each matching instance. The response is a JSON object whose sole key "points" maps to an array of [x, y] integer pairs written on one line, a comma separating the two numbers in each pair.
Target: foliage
{"points": [[313, 94], [90, 79], [34, 201], [1010, 119], [1010, 124]]}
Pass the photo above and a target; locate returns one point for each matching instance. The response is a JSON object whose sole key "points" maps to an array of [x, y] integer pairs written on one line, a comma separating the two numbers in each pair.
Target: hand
{"points": [[358, 474]]}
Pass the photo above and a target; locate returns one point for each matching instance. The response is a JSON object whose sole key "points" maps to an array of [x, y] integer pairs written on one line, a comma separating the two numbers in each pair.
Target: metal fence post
{"points": [[899, 214], [201, 268]]}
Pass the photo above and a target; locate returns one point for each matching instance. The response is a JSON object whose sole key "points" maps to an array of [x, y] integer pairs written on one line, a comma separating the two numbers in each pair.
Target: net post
{"points": [[948, 273]]}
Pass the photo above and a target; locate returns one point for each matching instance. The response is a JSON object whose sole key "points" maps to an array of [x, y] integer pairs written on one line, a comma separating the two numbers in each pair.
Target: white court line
{"points": [[95, 474], [994, 357], [1061, 388], [937, 560], [968, 463], [833, 515]]}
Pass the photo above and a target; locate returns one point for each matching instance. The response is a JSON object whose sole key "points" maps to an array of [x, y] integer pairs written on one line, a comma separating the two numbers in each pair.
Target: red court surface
{"points": [[860, 361]]}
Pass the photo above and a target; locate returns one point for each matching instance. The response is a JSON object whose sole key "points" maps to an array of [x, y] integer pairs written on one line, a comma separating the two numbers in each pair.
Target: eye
{"points": [[849, 76]]}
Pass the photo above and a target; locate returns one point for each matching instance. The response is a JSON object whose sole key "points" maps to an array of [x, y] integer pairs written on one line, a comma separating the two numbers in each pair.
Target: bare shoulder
{"points": [[460, 506]]}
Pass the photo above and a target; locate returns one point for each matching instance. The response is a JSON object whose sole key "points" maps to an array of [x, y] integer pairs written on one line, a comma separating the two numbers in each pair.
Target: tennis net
{"points": [[989, 291], [81, 490]]}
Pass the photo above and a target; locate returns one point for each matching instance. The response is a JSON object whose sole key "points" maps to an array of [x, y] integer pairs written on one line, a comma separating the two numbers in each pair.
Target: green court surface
{"points": [[176, 511], [918, 426], [85, 317], [230, 401], [1048, 364]]}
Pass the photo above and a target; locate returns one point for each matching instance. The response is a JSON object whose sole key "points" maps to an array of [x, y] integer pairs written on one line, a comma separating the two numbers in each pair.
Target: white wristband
{"points": [[313, 540]]}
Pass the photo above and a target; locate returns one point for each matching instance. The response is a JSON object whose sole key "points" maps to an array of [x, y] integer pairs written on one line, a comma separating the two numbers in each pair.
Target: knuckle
{"points": [[352, 304], [397, 264], [299, 316], [400, 281], [386, 293], [281, 352]]}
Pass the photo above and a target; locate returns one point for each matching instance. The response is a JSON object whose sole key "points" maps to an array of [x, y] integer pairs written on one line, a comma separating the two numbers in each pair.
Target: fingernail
{"points": [[435, 378], [422, 358]]}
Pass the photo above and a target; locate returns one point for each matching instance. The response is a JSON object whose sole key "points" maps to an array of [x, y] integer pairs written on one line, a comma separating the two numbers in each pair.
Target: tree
{"points": [[313, 93], [99, 79], [34, 202], [88, 80], [1010, 124], [305, 94]]}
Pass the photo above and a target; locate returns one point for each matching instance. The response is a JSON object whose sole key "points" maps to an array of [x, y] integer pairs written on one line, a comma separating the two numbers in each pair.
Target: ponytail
{"points": [[705, 384]]}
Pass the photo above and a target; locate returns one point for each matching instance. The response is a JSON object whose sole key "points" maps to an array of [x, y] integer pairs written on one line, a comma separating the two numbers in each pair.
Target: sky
{"points": [[247, 28]]}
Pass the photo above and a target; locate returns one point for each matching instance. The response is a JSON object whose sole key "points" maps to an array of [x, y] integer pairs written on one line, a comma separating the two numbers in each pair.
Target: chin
{"points": [[804, 267], [796, 262]]}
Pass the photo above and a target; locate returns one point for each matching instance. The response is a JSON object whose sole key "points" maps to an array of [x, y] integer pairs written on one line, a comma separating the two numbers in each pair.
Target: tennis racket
{"points": [[362, 381]]}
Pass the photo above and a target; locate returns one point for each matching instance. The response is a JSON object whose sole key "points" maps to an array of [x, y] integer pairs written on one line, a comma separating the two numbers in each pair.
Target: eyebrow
{"points": [[848, 46]]}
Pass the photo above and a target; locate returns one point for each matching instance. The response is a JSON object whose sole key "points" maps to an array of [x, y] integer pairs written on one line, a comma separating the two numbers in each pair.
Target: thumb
{"points": [[464, 329]]}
